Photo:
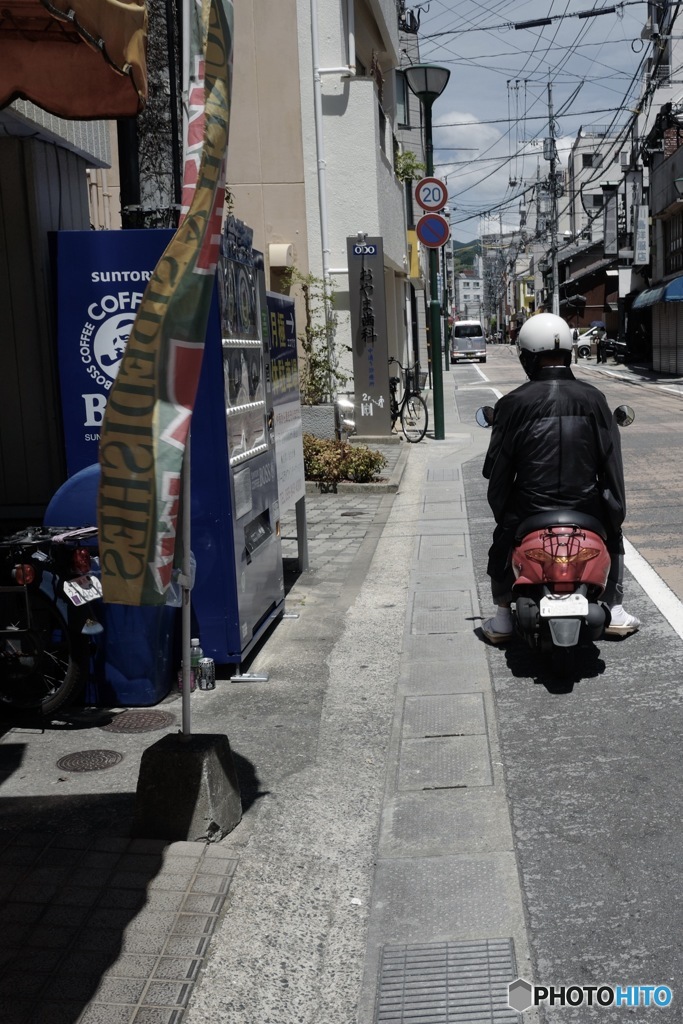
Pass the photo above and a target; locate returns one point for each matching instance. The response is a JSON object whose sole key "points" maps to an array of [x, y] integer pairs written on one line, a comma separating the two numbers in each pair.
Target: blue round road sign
{"points": [[433, 230]]}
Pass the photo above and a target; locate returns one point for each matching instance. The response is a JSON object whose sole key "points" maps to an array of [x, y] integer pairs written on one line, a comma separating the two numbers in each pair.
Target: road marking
{"points": [[640, 383], [480, 387], [480, 372], [661, 595]]}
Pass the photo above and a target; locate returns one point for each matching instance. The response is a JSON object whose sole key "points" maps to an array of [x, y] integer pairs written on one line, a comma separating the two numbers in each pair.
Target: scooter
{"points": [[48, 581], [561, 563]]}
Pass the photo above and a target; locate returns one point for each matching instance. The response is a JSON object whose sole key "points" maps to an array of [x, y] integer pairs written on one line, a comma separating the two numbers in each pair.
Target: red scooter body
{"points": [[561, 563], [562, 557]]}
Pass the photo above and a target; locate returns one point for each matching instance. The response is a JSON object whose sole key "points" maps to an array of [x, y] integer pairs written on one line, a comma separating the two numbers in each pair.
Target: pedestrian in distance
{"points": [[602, 345], [554, 444], [575, 344]]}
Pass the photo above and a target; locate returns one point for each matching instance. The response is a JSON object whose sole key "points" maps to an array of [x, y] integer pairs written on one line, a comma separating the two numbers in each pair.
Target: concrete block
{"points": [[187, 790]]}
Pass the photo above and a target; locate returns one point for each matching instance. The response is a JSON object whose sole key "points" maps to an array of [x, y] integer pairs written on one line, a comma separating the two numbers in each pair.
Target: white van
{"points": [[468, 341]]}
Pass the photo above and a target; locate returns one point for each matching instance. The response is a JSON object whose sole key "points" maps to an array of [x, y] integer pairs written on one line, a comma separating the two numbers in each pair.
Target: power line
{"points": [[508, 120], [537, 22]]}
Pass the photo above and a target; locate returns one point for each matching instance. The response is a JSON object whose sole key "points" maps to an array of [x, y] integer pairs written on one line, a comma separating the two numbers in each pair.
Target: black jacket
{"points": [[555, 444]]}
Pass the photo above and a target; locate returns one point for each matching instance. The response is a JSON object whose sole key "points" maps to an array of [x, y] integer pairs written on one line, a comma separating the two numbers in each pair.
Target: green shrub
{"points": [[329, 462]]}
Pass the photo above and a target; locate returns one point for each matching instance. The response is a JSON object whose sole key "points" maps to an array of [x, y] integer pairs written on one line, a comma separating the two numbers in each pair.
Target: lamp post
{"points": [[445, 296], [427, 82]]}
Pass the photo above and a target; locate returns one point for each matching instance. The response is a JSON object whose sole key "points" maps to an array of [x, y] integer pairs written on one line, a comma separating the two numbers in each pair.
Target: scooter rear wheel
{"points": [[40, 659]]}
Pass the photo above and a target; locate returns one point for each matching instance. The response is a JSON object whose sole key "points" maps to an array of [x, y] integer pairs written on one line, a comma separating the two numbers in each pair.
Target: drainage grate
{"points": [[139, 721], [446, 983], [89, 760]]}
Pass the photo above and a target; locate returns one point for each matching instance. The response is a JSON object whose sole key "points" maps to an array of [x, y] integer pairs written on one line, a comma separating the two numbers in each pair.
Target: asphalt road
{"points": [[593, 769]]}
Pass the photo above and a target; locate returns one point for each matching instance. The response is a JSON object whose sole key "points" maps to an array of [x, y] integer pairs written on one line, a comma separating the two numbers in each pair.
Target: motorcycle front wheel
{"points": [[40, 658]]}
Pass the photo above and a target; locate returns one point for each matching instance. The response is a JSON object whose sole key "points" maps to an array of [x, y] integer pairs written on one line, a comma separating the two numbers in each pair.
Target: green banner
{"points": [[148, 414]]}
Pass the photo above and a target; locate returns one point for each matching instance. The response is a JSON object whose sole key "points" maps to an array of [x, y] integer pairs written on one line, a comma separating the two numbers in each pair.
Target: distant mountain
{"points": [[464, 254]]}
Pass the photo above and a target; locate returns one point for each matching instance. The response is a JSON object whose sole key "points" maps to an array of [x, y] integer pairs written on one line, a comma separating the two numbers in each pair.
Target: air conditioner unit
{"points": [[659, 74]]}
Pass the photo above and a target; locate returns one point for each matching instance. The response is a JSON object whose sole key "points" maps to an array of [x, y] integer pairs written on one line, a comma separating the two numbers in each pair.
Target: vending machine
{"points": [[101, 275], [239, 588]]}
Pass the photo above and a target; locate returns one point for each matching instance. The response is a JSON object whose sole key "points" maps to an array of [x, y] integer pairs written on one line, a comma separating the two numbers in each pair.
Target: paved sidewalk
{"points": [[372, 877]]}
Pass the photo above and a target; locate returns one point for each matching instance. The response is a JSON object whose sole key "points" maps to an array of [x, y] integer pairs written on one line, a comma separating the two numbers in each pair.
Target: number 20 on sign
{"points": [[431, 193]]}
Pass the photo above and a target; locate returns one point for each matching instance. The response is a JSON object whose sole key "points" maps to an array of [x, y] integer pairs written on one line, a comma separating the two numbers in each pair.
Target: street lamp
{"points": [[427, 82]]}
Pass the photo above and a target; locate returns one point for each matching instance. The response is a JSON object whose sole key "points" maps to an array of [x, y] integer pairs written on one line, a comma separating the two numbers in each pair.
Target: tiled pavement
{"points": [[338, 523], [104, 930], [98, 928]]}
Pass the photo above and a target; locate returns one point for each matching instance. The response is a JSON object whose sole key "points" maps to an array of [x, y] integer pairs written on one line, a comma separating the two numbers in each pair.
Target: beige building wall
{"points": [[265, 160], [104, 190]]}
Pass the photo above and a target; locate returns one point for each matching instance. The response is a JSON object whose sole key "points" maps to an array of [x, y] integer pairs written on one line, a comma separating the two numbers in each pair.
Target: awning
{"points": [[673, 291], [648, 297], [75, 58]]}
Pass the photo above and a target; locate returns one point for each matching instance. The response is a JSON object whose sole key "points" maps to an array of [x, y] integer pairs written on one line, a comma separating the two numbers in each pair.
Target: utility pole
{"points": [[552, 189], [503, 283]]}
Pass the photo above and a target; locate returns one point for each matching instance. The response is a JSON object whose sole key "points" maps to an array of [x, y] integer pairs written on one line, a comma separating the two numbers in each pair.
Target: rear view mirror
{"points": [[624, 415], [484, 416]]}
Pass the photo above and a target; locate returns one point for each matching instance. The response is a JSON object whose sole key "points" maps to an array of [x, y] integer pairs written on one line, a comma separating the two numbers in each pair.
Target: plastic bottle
{"points": [[196, 655]]}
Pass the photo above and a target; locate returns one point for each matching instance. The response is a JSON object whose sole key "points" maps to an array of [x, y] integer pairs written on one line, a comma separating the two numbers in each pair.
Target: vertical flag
{"points": [[148, 413]]}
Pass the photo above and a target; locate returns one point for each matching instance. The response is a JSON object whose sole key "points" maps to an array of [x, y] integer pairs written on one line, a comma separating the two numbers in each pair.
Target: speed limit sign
{"points": [[431, 194]]}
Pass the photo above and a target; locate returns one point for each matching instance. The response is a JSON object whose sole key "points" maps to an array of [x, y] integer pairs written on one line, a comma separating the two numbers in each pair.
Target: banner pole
{"points": [[186, 585]]}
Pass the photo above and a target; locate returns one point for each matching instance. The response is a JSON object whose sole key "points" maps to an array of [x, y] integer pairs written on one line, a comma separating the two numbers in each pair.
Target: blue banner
{"points": [[101, 277]]}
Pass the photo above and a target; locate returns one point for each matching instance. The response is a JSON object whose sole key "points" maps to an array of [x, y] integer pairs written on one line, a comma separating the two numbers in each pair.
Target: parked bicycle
{"points": [[410, 407]]}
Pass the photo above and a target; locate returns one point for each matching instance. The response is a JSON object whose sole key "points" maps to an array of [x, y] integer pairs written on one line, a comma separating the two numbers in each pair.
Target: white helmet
{"points": [[544, 332]]}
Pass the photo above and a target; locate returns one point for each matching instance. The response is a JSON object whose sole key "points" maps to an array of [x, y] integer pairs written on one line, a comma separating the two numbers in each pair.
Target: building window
{"points": [[673, 244], [587, 159], [597, 200], [382, 130], [402, 104]]}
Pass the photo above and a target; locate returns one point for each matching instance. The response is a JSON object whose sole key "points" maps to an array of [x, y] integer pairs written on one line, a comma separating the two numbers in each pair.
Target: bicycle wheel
{"points": [[39, 661], [414, 418]]}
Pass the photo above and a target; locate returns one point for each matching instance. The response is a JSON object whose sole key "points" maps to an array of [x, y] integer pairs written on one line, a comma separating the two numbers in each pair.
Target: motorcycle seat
{"points": [[559, 517]]}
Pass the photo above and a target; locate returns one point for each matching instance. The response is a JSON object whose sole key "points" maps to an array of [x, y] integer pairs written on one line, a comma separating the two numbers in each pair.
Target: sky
{"points": [[490, 122]]}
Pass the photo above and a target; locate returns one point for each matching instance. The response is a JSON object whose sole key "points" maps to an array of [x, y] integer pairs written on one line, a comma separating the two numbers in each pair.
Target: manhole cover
{"points": [[139, 721], [89, 760]]}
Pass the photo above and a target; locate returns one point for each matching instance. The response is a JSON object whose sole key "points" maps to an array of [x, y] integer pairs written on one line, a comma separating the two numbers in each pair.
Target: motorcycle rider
{"points": [[554, 444]]}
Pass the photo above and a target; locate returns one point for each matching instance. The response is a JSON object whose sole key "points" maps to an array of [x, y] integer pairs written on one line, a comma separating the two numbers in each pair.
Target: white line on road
{"points": [[480, 387], [654, 586], [480, 372]]}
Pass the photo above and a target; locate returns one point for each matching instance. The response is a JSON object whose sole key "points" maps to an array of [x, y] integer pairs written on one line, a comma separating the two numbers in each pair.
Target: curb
{"points": [[389, 486]]}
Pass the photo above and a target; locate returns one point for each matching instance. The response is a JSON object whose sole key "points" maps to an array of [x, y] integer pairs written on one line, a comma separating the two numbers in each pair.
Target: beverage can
{"points": [[207, 674], [193, 680]]}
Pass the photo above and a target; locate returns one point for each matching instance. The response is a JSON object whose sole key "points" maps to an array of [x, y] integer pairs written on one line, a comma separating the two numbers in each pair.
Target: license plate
{"points": [[568, 606], [83, 589]]}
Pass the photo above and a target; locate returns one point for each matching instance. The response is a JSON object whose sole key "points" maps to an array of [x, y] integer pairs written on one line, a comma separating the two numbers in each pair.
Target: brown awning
{"points": [[78, 59]]}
